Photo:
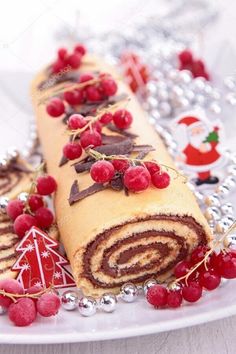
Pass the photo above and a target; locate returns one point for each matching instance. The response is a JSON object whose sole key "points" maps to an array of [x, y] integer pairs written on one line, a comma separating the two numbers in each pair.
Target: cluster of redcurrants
{"points": [[195, 66], [25, 307], [103, 87], [135, 178], [207, 276], [92, 137], [33, 211], [65, 59]]}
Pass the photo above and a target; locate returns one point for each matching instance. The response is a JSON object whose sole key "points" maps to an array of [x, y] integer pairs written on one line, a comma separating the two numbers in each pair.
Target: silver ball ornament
{"points": [[227, 209], [232, 170], [69, 300], [148, 284], [231, 98], [173, 286], [23, 196], [164, 109], [3, 310], [108, 302], [87, 306], [224, 224], [230, 181], [3, 204], [213, 213], [214, 107], [230, 82], [4, 163], [129, 292], [213, 200], [222, 190]]}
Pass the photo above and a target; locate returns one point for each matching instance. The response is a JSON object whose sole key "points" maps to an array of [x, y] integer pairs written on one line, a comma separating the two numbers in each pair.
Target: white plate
{"points": [[128, 320]]}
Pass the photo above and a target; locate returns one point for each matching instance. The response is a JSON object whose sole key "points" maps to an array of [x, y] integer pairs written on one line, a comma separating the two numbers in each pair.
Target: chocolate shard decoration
{"points": [[126, 133], [15, 166], [55, 79], [82, 167], [63, 161], [94, 188], [123, 148], [142, 155], [117, 183], [112, 139], [146, 148], [74, 189]]}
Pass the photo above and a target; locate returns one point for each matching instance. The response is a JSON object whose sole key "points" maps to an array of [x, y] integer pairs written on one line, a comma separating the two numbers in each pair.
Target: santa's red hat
{"points": [[189, 120]]}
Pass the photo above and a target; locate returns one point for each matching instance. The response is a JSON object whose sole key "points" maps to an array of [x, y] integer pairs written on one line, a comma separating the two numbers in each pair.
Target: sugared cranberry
{"points": [[137, 178], [74, 97], [72, 150], [86, 77], [80, 48], [122, 119], [226, 265], [186, 57], [93, 94], [174, 299], [76, 121], [46, 185], [55, 108], [157, 296], [44, 217], [62, 52], [15, 208], [198, 254], [35, 202], [35, 289], [48, 304], [120, 165], [106, 118], [209, 279], [102, 171], [90, 138], [192, 292], [23, 223], [74, 60], [10, 286], [23, 312], [152, 167], [161, 180], [108, 86]]}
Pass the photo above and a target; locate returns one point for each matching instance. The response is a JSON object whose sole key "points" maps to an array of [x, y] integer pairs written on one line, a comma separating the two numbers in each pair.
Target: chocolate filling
{"points": [[163, 249]]}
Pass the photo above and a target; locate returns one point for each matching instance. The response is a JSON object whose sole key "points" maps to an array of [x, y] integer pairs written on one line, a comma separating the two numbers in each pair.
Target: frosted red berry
{"points": [[86, 77], [44, 217], [15, 208], [23, 312], [62, 52], [73, 60], [35, 289], [46, 185], [76, 121], [137, 178], [55, 108], [102, 171], [226, 265], [106, 118], [152, 167], [108, 86], [74, 97], [209, 279], [174, 299], [35, 202], [10, 286], [120, 165], [93, 94], [157, 296], [48, 304], [80, 48], [192, 292], [122, 119], [90, 139], [161, 180], [72, 150], [23, 223]]}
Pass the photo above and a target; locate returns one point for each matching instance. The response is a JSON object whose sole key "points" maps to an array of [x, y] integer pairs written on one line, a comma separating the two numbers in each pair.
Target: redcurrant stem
{"points": [[98, 156], [208, 253], [14, 297], [36, 174], [110, 108]]}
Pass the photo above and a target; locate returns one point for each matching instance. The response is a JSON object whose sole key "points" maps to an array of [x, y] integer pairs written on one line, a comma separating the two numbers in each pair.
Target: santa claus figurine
{"points": [[197, 143]]}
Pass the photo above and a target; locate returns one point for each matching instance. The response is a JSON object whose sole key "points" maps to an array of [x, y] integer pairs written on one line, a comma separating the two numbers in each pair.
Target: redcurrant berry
{"points": [[46, 185], [62, 52], [192, 292], [44, 217], [161, 180], [10, 286], [80, 48], [55, 108], [35, 202], [120, 165], [122, 119], [186, 57], [209, 279], [226, 265], [72, 151], [102, 171], [152, 167], [157, 296], [76, 121], [198, 254], [86, 77], [108, 86], [93, 94], [74, 60], [182, 268], [74, 97], [137, 178], [174, 299], [22, 312], [90, 138], [15, 208], [48, 304], [106, 118], [23, 223]]}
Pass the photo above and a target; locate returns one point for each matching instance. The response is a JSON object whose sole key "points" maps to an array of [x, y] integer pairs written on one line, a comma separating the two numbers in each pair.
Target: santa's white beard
{"points": [[197, 140]]}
